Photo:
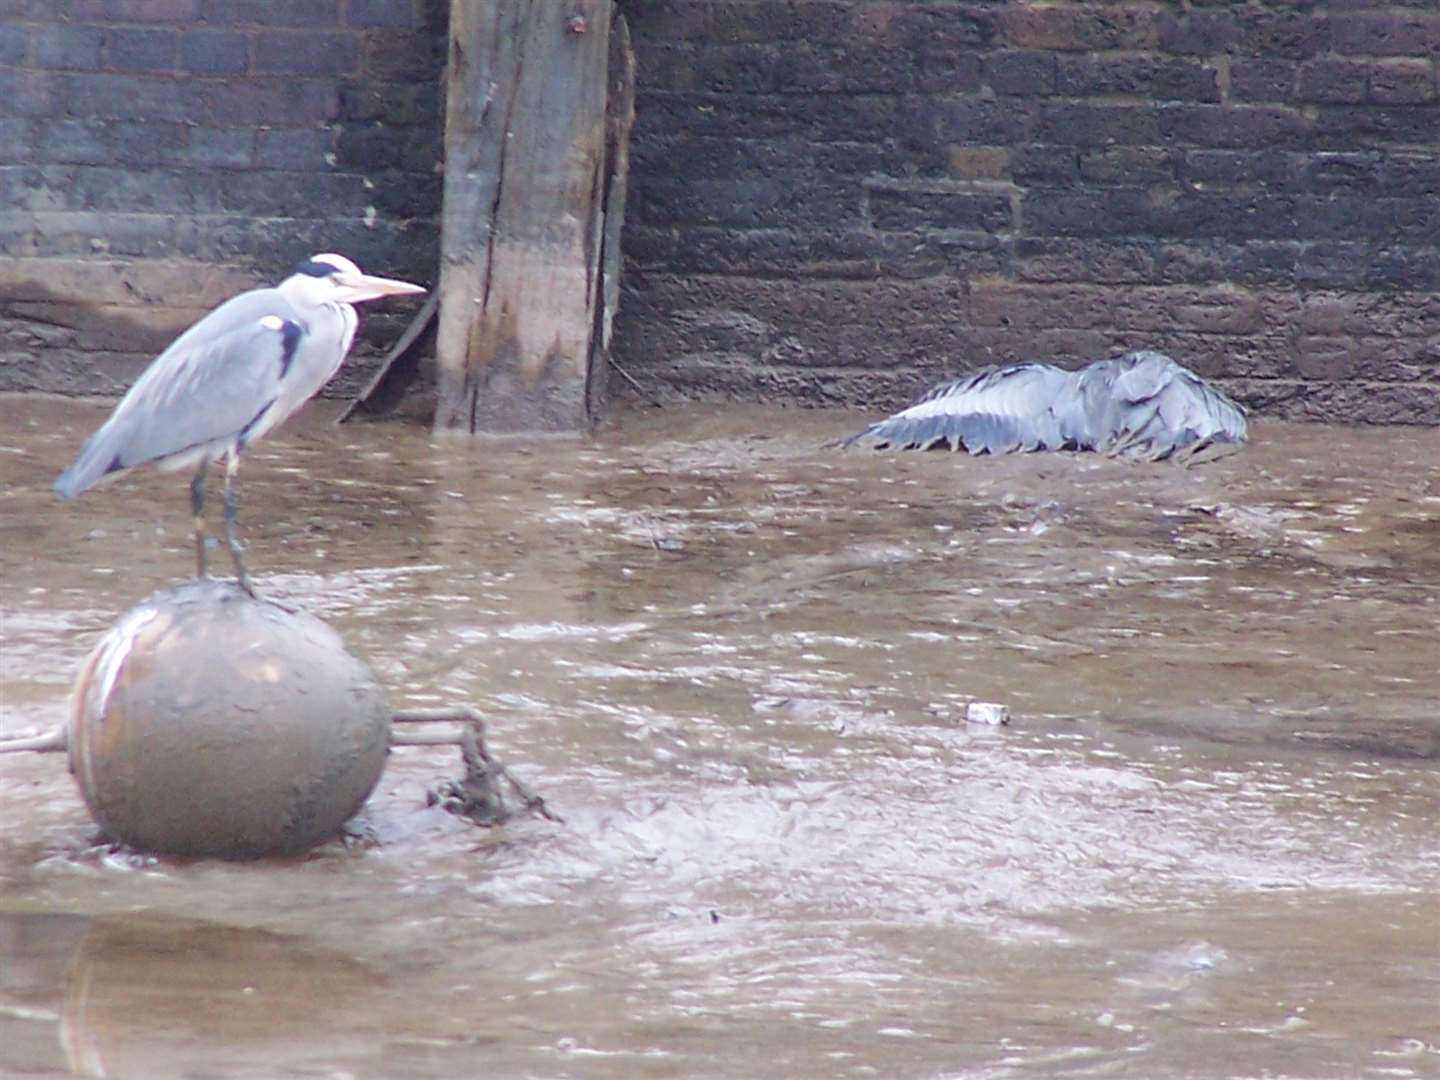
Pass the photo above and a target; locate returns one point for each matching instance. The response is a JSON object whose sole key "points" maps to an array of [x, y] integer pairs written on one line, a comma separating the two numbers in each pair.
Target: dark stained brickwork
{"points": [[831, 200], [844, 200], [157, 156]]}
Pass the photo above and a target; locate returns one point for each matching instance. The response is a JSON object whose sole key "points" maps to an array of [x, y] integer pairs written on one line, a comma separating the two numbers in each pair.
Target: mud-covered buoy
{"points": [[209, 723]]}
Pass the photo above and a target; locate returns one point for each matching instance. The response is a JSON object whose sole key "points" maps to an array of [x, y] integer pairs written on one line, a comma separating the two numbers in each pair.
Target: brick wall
{"points": [[832, 200], [844, 200], [157, 156]]}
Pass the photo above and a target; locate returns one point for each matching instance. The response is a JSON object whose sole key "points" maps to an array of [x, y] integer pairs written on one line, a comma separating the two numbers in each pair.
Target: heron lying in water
{"points": [[229, 379], [1141, 405]]}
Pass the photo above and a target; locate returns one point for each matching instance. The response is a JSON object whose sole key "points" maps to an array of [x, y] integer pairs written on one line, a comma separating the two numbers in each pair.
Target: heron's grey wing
{"points": [[996, 411], [1148, 406], [214, 383]]}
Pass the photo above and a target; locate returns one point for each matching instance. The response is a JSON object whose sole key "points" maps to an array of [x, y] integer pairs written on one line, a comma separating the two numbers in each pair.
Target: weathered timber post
{"points": [[531, 186]]}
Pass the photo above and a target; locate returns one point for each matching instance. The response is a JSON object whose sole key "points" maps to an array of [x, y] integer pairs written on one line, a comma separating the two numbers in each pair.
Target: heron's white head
{"points": [[328, 278]]}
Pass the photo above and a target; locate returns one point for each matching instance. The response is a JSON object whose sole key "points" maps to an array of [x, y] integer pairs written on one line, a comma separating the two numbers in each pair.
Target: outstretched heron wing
{"points": [[1154, 408], [995, 410]]}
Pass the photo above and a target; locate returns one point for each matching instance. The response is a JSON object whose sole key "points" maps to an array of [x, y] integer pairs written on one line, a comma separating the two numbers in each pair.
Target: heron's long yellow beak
{"points": [[360, 287]]}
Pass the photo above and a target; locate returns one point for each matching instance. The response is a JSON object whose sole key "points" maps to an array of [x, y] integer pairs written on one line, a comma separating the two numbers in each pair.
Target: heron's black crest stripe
{"points": [[315, 268], [289, 342]]}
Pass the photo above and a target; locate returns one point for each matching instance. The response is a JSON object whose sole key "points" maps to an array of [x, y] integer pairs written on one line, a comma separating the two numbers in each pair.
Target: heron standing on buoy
{"points": [[228, 380]]}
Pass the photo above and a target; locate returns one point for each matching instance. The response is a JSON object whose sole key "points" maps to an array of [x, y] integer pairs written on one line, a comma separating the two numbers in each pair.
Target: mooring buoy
{"points": [[210, 723]]}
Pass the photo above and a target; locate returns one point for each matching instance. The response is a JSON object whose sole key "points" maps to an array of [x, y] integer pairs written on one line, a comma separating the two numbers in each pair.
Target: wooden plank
{"points": [[619, 119], [525, 152]]}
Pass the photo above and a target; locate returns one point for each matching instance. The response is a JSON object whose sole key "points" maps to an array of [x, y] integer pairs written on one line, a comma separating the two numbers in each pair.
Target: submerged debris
{"points": [[478, 795], [1141, 405]]}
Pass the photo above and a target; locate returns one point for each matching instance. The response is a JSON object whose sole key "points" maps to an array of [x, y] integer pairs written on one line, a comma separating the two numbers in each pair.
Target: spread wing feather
{"points": [[1140, 405], [992, 411]]}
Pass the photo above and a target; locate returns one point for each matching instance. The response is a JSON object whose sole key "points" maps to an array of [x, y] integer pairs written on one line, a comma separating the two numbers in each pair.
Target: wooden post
{"points": [[522, 324]]}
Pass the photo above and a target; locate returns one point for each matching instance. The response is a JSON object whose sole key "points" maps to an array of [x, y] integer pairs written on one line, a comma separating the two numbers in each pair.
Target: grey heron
{"points": [[1142, 405], [228, 380]]}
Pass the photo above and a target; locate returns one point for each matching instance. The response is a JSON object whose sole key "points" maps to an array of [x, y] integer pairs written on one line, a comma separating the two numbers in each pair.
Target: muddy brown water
{"points": [[737, 663]]}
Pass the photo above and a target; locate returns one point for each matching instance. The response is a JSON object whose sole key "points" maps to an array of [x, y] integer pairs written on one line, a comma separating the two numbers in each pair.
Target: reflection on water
{"points": [[738, 665]]}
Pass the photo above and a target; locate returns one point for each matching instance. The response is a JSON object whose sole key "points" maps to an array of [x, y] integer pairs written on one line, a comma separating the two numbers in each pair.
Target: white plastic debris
{"points": [[987, 712]]}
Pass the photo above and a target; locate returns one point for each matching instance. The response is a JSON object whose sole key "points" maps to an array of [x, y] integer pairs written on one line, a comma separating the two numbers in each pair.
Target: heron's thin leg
{"points": [[197, 508], [232, 510]]}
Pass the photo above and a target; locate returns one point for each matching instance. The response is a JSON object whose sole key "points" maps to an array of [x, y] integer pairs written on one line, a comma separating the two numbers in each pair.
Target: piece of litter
{"points": [[986, 712]]}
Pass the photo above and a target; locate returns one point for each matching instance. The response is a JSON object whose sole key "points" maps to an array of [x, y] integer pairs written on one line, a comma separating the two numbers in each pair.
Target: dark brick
{"points": [[1277, 169], [1295, 35], [1021, 72], [825, 70], [1128, 166], [215, 52], [14, 43], [1332, 265], [72, 142], [1343, 127], [918, 27], [948, 70], [966, 120], [1343, 217], [274, 102], [267, 13], [1257, 126], [149, 144], [16, 139], [1339, 171], [1410, 269], [1097, 125], [141, 50], [1411, 174], [233, 147], [368, 147], [1197, 33], [405, 194], [89, 233], [1403, 82], [1080, 27], [389, 14], [67, 47], [896, 210], [1045, 165], [30, 187], [1250, 262], [681, 20], [126, 97], [749, 204], [152, 191], [1156, 77], [283, 193], [1054, 259], [396, 104], [1417, 218], [1050, 212], [29, 94], [297, 148], [403, 57], [306, 53], [1222, 214], [749, 69], [1332, 80], [1254, 79], [174, 12], [1386, 34]]}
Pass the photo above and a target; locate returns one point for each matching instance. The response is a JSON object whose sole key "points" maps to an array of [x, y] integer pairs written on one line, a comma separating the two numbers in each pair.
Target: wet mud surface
{"points": [[738, 665]]}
